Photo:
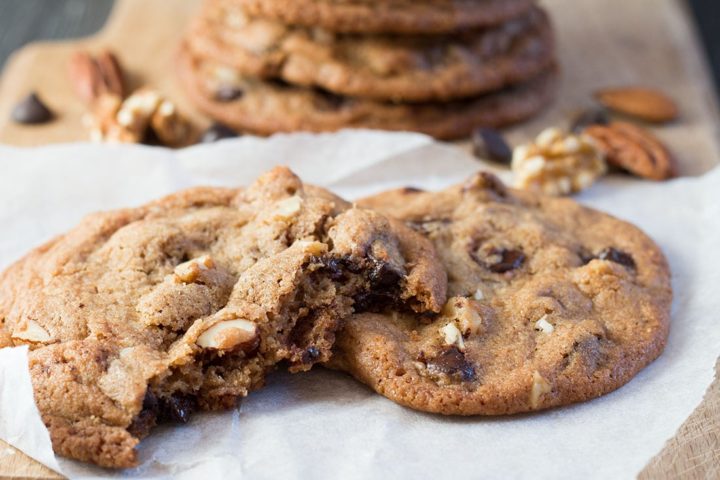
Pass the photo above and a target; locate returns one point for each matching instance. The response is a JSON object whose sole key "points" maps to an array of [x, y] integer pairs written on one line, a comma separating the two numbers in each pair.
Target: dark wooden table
{"points": [[22, 21]]}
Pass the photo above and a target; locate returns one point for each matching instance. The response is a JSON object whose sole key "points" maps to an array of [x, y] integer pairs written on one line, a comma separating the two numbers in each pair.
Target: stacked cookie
{"points": [[435, 66]]}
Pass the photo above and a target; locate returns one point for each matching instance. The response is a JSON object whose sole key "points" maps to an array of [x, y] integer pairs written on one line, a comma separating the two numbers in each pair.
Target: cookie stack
{"points": [[433, 66]]}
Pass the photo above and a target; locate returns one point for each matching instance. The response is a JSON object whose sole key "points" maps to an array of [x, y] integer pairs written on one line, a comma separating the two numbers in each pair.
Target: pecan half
{"points": [[95, 76], [634, 149]]}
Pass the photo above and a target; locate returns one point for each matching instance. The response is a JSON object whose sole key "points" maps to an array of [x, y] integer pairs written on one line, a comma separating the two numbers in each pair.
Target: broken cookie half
{"points": [[550, 303], [143, 315]]}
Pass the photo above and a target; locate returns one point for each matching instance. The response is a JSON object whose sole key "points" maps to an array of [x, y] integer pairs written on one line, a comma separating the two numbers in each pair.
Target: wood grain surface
{"points": [[613, 42]]}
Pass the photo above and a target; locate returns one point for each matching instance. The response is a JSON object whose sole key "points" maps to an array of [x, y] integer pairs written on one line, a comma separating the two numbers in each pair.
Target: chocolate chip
{"points": [[310, 355], [489, 144], [334, 268], [217, 131], [228, 93], [593, 116], [384, 276], [451, 361], [177, 408], [325, 100], [509, 259], [412, 190], [31, 110], [371, 301], [613, 255], [146, 419]]}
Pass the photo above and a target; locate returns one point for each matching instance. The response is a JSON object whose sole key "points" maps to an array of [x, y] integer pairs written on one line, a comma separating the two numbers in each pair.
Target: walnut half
{"points": [[557, 163]]}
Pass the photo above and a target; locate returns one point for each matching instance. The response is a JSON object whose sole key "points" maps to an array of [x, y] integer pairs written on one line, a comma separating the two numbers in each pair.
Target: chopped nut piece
{"points": [[32, 332], [116, 121], [136, 111], [287, 208], [452, 336], [543, 325], [172, 129], [229, 334], [540, 386], [464, 313], [557, 163], [189, 272], [479, 295], [313, 248]]}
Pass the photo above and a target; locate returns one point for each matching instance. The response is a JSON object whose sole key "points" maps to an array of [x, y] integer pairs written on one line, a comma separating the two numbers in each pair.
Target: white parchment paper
{"points": [[323, 424]]}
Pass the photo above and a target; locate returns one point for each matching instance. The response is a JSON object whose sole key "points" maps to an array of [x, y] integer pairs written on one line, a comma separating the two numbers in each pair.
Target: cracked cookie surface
{"points": [[143, 315], [550, 303], [412, 68]]}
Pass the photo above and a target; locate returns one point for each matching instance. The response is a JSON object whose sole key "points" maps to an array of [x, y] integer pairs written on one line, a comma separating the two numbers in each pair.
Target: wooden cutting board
{"points": [[613, 42]]}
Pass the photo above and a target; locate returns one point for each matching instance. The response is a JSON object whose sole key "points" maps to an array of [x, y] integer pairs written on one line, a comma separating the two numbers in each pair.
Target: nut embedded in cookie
{"points": [[189, 301], [230, 334], [586, 308]]}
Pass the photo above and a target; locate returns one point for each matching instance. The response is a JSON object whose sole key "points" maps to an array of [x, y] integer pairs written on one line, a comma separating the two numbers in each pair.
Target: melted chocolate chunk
{"points": [[617, 256], [278, 83], [228, 93], [310, 355], [176, 409], [371, 302], [334, 268], [509, 260], [384, 276], [326, 100], [412, 190], [217, 131], [587, 118], [147, 418], [451, 361], [489, 144], [31, 110]]}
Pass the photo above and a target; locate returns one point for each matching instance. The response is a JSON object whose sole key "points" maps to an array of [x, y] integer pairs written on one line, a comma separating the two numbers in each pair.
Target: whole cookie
{"points": [[267, 107], [410, 68], [398, 16], [550, 303], [143, 315]]}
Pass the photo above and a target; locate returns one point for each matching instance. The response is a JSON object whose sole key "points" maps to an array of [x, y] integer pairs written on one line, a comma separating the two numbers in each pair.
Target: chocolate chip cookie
{"points": [[550, 303], [267, 107], [408, 68], [400, 16], [143, 315]]}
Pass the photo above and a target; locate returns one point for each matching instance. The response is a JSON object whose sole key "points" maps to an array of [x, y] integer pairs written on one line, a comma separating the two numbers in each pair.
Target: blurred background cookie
{"points": [[435, 67]]}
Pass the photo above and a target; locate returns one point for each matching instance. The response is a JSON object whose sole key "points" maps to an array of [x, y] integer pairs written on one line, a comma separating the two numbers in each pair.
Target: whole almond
{"points": [[640, 102], [633, 149]]}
